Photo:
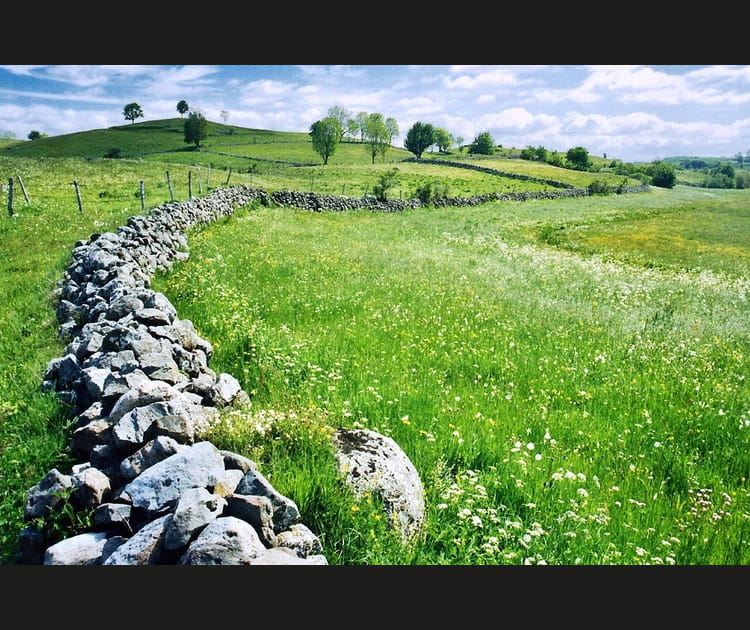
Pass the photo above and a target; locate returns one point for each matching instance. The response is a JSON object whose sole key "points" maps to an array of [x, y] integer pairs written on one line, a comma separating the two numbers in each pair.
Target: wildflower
{"points": [[530, 446]]}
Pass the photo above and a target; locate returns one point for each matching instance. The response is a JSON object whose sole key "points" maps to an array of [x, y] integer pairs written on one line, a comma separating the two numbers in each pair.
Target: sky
{"points": [[629, 112]]}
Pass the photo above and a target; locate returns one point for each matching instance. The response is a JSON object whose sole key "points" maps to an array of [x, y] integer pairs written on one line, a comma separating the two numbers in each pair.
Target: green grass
{"points": [[568, 376], [561, 407], [709, 231]]}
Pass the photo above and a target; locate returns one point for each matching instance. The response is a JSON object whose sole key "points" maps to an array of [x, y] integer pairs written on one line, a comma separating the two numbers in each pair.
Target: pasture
{"points": [[568, 376]]}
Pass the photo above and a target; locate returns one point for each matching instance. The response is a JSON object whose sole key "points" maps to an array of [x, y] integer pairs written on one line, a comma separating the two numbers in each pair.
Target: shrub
{"points": [[114, 153], [432, 190], [598, 187]]}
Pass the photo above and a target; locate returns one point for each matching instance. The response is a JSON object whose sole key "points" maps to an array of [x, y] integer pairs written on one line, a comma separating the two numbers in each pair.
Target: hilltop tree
{"points": [[578, 158], [361, 119], [132, 111], [483, 144], [325, 134], [342, 116], [419, 137], [376, 135], [392, 126], [182, 107], [442, 139], [224, 115], [352, 127], [35, 135], [459, 142], [195, 128]]}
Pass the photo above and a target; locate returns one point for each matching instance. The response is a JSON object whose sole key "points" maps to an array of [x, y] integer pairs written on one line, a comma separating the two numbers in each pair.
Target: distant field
{"points": [[709, 232], [579, 179]]}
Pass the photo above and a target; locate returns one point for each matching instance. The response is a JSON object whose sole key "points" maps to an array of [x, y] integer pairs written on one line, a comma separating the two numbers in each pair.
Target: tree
{"points": [[132, 111], [459, 142], [195, 128], [740, 158], [325, 135], [578, 158], [662, 174], [352, 126], [35, 135], [224, 115], [342, 116], [182, 107], [361, 119], [442, 139], [392, 126], [483, 144], [376, 135], [419, 137]]}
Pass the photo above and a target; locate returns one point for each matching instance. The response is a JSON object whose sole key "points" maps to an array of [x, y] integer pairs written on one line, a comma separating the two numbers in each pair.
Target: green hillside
{"points": [[145, 137]]}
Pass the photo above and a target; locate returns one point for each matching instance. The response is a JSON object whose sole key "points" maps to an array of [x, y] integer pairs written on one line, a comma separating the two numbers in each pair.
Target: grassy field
{"points": [[561, 407], [568, 376]]}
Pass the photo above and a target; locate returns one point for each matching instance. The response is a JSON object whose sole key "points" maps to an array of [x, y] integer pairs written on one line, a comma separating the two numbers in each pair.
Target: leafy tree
{"points": [[662, 174], [386, 181], [578, 158], [376, 136], [325, 135], [132, 111], [35, 135], [459, 142], [352, 126], [7, 135], [182, 107], [442, 139], [483, 144], [224, 115], [419, 138], [342, 116], [195, 128], [740, 158], [392, 126], [361, 119]]}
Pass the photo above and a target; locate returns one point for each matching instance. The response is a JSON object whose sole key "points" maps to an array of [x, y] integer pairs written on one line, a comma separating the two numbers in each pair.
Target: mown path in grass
{"points": [[561, 407]]}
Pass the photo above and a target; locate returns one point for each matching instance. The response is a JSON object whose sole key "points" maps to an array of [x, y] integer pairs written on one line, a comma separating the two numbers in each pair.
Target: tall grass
{"points": [[561, 408]]}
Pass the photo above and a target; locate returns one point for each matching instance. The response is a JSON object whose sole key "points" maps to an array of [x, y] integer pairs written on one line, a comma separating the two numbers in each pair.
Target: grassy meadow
{"points": [[561, 407], [567, 376]]}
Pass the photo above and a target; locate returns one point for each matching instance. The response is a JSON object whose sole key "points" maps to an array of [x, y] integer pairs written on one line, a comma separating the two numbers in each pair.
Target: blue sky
{"points": [[634, 113]]}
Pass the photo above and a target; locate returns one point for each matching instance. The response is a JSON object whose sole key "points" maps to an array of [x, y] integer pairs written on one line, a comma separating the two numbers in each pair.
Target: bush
{"points": [[114, 153], [432, 190], [385, 183], [598, 187]]}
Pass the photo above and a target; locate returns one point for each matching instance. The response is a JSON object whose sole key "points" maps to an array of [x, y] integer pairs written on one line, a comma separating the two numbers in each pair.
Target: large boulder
{"points": [[371, 462]]}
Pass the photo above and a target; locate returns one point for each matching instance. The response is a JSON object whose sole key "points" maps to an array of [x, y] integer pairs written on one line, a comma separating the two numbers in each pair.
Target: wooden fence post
{"points": [[229, 174], [200, 181], [208, 178], [10, 196], [169, 185], [143, 196], [78, 196], [23, 189], [190, 184]]}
